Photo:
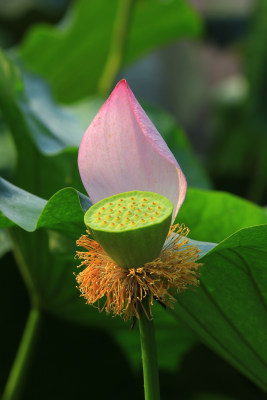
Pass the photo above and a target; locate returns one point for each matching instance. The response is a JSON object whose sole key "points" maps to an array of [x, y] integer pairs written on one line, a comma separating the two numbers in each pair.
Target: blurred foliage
{"points": [[29, 129], [16, 16], [238, 161], [74, 54]]}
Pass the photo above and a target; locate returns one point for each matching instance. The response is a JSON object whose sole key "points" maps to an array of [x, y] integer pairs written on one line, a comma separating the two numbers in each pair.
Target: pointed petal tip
{"points": [[121, 85], [122, 82]]}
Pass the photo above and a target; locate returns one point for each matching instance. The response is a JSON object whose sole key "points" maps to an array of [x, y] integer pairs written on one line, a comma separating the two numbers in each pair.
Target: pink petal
{"points": [[122, 151]]}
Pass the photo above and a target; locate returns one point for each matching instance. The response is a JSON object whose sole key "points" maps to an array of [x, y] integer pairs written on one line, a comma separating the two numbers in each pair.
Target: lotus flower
{"points": [[120, 152], [123, 151]]}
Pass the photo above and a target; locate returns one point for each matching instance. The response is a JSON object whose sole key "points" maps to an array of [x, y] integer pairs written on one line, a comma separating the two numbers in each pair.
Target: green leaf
{"points": [[63, 212], [212, 216], [157, 23], [39, 127], [51, 127], [74, 54], [228, 310]]}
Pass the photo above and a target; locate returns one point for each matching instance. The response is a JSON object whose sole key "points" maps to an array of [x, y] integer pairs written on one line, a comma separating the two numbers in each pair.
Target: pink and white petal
{"points": [[122, 151]]}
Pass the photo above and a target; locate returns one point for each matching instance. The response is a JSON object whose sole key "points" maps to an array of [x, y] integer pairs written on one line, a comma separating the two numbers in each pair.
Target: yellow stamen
{"points": [[123, 289]]}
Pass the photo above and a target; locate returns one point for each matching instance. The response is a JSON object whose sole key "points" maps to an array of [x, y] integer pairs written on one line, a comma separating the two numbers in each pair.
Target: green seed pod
{"points": [[131, 227]]}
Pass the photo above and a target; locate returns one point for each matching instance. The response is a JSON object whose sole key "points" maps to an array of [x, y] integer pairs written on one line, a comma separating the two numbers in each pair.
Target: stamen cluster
{"points": [[120, 291]]}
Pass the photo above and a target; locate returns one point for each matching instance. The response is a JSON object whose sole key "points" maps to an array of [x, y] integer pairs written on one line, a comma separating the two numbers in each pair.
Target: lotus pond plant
{"points": [[133, 255]]}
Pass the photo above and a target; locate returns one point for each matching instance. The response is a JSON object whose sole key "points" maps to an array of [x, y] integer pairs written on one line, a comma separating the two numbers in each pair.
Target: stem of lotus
{"points": [[22, 361], [117, 46], [149, 356]]}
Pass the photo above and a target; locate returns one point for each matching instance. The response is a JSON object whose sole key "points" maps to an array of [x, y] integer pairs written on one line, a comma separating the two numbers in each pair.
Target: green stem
{"points": [[149, 357], [117, 47], [22, 361]]}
